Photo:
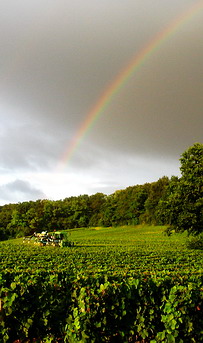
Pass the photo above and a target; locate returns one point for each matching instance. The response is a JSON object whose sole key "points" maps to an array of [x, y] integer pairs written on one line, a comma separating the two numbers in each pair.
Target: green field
{"points": [[120, 250], [74, 287]]}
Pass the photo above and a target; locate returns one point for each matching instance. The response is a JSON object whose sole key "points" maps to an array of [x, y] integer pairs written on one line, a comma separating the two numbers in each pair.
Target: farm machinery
{"points": [[56, 238]]}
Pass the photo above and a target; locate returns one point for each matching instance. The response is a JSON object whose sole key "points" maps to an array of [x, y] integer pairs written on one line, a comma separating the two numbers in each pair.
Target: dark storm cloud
{"points": [[19, 190], [69, 52], [159, 111], [57, 58]]}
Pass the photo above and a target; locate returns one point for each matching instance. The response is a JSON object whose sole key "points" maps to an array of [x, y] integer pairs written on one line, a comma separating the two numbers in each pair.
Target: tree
{"points": [[156, 193], [96, 201], [184, 205]]}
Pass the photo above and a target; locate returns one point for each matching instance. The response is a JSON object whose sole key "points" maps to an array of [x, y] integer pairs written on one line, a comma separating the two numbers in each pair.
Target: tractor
{"points": [[61, 239], [57, 239]]}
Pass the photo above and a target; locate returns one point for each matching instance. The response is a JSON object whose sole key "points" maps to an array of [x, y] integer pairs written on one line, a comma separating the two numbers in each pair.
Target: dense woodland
{"points": [[176, 202]]}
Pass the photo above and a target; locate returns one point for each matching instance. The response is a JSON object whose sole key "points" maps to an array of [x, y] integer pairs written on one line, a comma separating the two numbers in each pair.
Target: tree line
{"points": [[176, 202]]}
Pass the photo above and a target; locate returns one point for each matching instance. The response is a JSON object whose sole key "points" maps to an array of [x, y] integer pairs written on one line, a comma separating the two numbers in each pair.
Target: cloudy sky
{"points": [[57, 58]]}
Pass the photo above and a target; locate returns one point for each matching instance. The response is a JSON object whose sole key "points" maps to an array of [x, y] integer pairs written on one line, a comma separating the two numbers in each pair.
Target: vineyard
{"points": [[125, 284]]}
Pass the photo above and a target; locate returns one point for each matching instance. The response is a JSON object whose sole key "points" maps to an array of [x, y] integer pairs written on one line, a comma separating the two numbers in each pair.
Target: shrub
{"points": [[195, 242]]}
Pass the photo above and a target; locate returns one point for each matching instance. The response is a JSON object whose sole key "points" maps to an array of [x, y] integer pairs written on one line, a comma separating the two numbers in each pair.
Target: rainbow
{"points": [[122, 78]]}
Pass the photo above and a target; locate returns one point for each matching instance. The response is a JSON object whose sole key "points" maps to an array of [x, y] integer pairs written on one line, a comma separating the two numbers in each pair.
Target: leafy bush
{"points": [[196, 242], [98, 309]]}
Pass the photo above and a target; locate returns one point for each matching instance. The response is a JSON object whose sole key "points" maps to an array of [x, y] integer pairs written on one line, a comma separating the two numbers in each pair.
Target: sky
{"points": [[58, 58]]}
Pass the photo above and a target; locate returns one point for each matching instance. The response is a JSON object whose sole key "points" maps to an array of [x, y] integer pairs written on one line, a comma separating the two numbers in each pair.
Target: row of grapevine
{"points": [[128, 260], [115, 285], [73, 308]]}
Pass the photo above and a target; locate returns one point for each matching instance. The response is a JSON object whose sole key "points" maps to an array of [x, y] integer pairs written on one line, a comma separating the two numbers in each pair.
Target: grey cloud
{"points": [[160, 109], [18, 191], [29, 145], [63, 62]]}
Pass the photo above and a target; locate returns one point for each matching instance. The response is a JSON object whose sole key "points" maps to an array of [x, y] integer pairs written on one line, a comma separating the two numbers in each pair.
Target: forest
{"points": [[176, 202]]}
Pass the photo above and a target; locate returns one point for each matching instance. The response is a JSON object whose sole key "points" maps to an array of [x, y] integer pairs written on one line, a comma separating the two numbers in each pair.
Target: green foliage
{"points": [[195, 242], [125, 207], [156, 193], [177, 202], [122, 284], [182, 206]]}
